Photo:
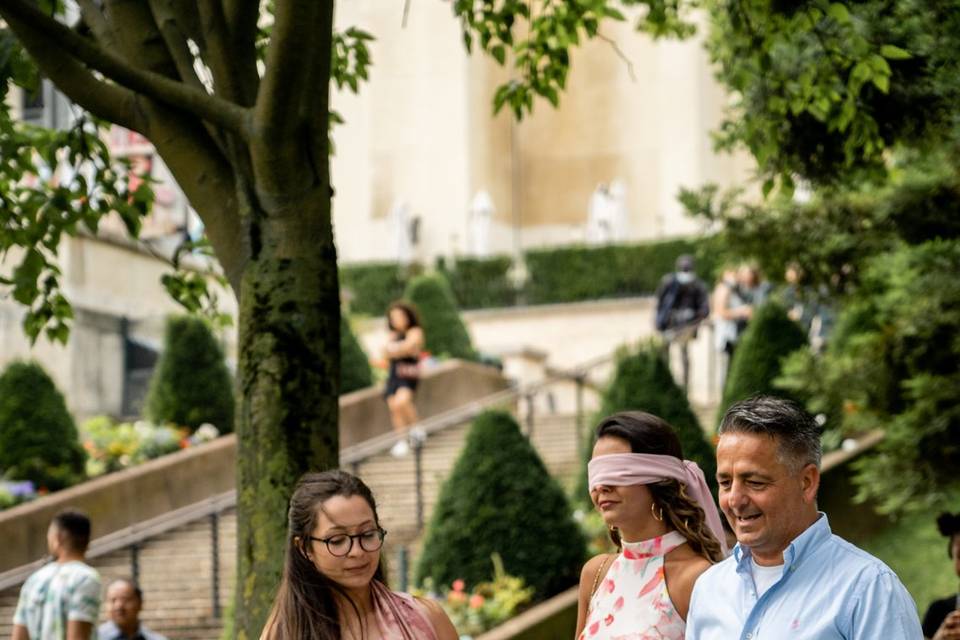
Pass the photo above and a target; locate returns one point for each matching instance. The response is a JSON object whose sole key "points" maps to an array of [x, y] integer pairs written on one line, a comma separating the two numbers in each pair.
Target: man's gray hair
{"points": [[795, 431]]}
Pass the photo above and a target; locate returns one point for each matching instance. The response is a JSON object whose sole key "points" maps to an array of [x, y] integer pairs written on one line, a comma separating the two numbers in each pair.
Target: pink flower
{"points": [[459, 585], [476, 601]]}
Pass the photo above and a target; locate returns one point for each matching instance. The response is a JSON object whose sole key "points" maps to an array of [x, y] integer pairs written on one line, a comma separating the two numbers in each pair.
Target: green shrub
{"points": [[500, 498], [444, 331], [892, 364], [570, 274], [38, 438], [355, 370], [373, 286], [643, 382], [480, 283], [191, 384], [770, 337]]}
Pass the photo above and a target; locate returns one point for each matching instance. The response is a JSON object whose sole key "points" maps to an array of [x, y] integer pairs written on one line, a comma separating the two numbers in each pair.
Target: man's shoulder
{"points": [[81, 571], [722, 572], [854, 561]]}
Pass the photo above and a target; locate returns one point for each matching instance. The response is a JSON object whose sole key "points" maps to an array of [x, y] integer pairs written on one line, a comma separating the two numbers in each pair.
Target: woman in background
{"points": [[402, 352]]}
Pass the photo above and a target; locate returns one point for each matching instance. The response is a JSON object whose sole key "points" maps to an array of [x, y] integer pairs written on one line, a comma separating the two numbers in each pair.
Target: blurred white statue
{"points": [[478, 224], [400, 222]]}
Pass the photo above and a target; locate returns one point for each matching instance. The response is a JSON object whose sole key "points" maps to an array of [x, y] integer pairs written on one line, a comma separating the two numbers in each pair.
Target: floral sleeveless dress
{"points": [[632, 603]]}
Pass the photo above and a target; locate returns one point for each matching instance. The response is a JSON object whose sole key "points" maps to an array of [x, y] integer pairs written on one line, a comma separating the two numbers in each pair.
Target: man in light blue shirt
{"points": [[789, 577]]}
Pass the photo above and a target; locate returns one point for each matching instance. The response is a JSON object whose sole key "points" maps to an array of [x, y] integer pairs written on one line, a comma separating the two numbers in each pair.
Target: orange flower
{"points": [[476, 601]]}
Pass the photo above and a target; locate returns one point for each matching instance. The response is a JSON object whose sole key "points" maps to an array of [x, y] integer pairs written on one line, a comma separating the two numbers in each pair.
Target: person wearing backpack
{"points": [[683, 302]]}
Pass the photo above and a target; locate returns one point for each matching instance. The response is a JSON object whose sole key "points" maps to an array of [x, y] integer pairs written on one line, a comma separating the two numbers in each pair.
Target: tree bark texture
{"points": [[251, 154]]}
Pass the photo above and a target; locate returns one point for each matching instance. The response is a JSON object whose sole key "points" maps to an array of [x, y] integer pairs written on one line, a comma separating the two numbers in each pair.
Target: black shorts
{"points": [[394, 383]]}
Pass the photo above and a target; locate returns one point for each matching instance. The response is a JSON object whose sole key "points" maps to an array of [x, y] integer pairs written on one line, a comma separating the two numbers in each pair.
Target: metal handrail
{"points": [[134, 534], [464, 413]]}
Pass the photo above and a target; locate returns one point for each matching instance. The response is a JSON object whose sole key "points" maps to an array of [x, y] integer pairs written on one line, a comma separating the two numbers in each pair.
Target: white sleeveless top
{"points": [[632, 602]]}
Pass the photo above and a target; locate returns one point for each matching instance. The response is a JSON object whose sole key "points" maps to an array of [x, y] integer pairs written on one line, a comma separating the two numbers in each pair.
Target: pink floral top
{"points": [[632, 602]]}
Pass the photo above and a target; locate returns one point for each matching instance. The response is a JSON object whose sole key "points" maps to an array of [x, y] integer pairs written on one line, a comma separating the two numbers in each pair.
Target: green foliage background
{"points": [[500, 498], [642, 381], [191, 384], [769, 338], [444, 331], [38, 437], [355, 370]]}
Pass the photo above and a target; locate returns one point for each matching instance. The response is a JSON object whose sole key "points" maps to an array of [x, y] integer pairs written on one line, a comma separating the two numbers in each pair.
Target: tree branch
{"points": [[176, 42], [293, 49], [104, 100], [206, 177], [175, 94], [93, 17], [227, 59], [241, 17]]}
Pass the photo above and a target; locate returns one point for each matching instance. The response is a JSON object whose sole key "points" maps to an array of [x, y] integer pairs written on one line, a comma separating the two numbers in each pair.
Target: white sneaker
{"points": [[400, 449]]}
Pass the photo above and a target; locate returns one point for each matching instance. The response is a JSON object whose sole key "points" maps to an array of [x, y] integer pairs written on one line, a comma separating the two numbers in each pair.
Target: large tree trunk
{"points": [[289, 363]]}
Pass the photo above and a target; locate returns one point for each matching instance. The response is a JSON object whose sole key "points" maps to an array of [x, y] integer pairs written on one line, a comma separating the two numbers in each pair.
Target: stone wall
{"points": [[128, 497]]}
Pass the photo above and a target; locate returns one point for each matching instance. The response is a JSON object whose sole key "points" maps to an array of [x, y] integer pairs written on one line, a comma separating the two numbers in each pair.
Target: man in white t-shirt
{"points": [[61, 600]]}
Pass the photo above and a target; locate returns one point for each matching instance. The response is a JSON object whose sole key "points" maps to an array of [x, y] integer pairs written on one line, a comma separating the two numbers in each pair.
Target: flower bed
{"points": [[114, 446], [486, 605]]}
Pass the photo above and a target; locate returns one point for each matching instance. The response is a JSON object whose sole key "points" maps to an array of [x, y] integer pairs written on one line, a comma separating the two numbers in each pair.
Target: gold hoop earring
{"points": [[654, 513]]}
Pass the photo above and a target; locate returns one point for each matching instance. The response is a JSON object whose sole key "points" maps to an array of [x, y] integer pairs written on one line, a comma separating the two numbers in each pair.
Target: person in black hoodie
{"points": [[942, 620], [683, 302]]}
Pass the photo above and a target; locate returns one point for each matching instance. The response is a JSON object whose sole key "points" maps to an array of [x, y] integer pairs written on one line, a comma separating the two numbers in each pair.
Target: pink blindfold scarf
{"points": [[626, 469]]}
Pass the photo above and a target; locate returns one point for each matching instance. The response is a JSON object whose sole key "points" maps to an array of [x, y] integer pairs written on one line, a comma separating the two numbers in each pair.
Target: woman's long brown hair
{"points": [[647, 433], [306, 604]]}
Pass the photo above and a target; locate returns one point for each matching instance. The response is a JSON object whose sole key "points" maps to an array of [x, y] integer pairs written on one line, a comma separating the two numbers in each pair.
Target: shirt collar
{"points": [[802, 545]]}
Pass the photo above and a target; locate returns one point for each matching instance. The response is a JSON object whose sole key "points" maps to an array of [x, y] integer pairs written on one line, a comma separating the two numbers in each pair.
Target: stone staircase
{"points": [[176, 568], [176, 574]]}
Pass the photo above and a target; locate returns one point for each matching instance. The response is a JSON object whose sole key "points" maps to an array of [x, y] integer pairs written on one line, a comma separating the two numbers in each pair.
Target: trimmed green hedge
{"points": [[191, 384], [563, 274], [38, 437], [643, 382], [480, 283], [443, 330], [373, 286], [355, 370], [770, 337], [571, 274], [501, 498]]}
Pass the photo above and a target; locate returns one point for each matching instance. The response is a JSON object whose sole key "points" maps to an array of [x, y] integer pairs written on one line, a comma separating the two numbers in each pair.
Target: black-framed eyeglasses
{"points": [[341, 544]]}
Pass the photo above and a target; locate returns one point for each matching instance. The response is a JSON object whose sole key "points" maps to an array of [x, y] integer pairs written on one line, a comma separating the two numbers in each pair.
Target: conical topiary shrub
{"points": [[38, 437], [191, 385], [354, 365], [642, 382], [770, 337], [443, 330], [500, 498]]}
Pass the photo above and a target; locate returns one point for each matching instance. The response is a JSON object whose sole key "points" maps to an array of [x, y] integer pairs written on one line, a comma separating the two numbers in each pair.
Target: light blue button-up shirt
{"points": [[829, 590]]}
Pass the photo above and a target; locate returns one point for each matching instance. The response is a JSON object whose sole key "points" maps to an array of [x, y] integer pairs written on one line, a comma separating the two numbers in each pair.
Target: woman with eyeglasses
{"points": [[333, 585]]}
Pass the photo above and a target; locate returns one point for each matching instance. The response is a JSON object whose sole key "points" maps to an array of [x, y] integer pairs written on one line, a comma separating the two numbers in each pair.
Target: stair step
{"points": [[175, 569]]}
